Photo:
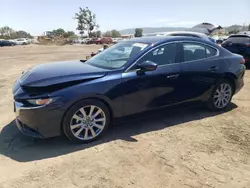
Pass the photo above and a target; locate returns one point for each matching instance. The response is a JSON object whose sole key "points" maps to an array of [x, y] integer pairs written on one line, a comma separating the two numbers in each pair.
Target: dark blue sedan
{"points": [[6, 43], [80, 98]]}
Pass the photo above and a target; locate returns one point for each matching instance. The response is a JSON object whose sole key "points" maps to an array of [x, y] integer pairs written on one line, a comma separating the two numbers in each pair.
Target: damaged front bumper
{"points": [[41, 121]]}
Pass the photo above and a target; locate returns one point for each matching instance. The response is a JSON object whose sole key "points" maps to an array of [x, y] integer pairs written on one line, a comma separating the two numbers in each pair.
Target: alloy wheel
{"points": [[222, 95], [88, 122]]}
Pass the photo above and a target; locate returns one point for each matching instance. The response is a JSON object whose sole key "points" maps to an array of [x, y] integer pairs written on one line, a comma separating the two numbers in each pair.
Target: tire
{"points": [[221, 96], [85, 130]]}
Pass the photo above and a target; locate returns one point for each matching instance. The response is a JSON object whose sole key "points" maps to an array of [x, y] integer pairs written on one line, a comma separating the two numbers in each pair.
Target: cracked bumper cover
{"points": [[42, 122]]}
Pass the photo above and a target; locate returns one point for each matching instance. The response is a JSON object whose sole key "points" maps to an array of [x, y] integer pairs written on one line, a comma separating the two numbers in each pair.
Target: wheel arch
{"points": [[231, 78], [100, 98]]}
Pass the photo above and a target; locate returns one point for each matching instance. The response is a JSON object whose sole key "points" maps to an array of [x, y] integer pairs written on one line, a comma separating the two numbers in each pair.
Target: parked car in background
{"points": [[84, 40], [219, 42], [116, 40], [184, 33], [206, 28], [6, 43], [243, 33], [91, 41], [104, 40], [239, 44], [81, 98], [21, 41], [28, 41], [192, 34]]}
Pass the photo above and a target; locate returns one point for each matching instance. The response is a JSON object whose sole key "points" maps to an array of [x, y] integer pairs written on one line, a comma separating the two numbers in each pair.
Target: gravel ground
{"points": [[188, 147]]}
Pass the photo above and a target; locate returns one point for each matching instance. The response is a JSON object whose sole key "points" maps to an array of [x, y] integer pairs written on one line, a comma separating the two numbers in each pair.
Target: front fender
{"points": [[106, 89]]}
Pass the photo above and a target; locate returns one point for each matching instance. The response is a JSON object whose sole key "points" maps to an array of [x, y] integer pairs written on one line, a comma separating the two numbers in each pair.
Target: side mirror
{"points": [[147, 66]]}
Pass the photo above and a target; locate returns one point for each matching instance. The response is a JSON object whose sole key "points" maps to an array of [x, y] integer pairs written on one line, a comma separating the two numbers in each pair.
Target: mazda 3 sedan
{"points": [[81, 98]]}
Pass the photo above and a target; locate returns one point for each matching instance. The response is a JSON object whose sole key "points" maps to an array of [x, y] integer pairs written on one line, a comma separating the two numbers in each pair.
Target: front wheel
{"points": [[86, 121], [221, 96]]}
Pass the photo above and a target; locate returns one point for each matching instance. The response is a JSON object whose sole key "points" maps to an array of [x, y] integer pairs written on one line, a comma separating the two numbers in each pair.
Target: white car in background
{"points": [[116, 40], [21, 42], [84, 41]]}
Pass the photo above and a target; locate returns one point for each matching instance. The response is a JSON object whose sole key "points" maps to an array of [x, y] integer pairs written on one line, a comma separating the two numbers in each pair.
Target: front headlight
{"points": [[41, 102]]}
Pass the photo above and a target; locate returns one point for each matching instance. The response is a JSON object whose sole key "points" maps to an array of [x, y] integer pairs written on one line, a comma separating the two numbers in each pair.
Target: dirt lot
{"points": [[177, 148]]}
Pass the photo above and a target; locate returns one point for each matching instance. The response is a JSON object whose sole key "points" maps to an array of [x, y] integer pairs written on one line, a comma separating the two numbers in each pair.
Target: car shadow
{"points": [[24, 149]]}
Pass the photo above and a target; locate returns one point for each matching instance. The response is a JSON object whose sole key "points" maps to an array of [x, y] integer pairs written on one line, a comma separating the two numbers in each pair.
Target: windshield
{"points": [[117, 55]]}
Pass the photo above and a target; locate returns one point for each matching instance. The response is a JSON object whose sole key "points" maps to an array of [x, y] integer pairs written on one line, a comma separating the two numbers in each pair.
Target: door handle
{"points": [[173, 76], [213, 69]]}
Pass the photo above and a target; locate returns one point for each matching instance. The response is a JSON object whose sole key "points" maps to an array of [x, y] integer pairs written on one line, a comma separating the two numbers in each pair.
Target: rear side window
{"points": [[194, 51], [210, 51], [238, 39]]}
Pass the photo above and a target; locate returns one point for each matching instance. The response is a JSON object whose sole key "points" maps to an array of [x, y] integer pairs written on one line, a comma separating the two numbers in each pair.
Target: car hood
{"points": [[60, 72]]}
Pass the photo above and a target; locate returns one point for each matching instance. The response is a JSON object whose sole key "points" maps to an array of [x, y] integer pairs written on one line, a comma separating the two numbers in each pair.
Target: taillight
{"points": [[248, 45], [242, 61]]}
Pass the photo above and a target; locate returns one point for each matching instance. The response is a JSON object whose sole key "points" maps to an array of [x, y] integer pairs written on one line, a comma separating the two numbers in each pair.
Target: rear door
{"points": [[199, 70]]}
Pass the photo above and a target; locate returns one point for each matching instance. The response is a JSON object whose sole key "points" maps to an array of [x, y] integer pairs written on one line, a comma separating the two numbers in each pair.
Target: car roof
{"points": [[163, 39], [177, 32], [240, 35], [243, 33], [187, 32]]}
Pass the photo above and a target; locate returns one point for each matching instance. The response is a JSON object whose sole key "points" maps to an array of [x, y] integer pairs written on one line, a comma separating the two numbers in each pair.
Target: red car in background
{"points": [[104, 40]]}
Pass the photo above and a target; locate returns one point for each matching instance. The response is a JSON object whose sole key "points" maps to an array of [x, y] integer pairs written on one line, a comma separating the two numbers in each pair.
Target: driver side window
{"points": [[163, 55]]}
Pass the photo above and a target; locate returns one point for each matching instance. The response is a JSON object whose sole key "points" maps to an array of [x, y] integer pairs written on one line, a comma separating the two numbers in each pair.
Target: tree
{"points": [[9, 33], [71, 38], [58, 32], [68, 34], [86, 20], [21, 34], [233, 32], [138, 32], [249, 27], [97, 34], [6, 31], [115, 33], [107, 34]]}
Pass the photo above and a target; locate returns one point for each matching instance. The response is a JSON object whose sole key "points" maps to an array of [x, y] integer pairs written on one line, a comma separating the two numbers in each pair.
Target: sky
{"points": [[37, 16]]}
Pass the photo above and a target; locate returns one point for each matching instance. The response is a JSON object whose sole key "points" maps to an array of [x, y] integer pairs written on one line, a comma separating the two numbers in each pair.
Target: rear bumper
{"points": [[239, 83]]}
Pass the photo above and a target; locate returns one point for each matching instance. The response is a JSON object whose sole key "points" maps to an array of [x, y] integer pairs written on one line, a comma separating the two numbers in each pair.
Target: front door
{"points": [[153, 89]]}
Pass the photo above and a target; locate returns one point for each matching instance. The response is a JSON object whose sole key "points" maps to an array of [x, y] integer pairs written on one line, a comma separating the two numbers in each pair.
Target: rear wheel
{"points": [[221, 96], [86, 121]]}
